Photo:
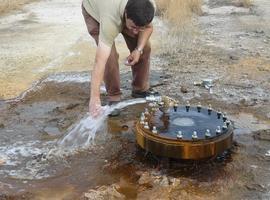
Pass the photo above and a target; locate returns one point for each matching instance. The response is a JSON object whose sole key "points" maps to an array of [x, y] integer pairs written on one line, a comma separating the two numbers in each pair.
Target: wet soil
{"points": [[231, 46]]}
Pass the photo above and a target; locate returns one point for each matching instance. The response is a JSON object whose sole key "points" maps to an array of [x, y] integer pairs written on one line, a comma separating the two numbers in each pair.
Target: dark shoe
{"points": [[140, 94], [115, 112]]}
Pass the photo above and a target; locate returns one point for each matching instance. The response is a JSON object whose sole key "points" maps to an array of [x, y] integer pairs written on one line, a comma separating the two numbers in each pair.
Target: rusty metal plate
{"points": [[184, 132]]}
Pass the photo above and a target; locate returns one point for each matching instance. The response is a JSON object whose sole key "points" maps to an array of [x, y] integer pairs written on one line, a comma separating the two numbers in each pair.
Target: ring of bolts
{"points": [[155, 106]]}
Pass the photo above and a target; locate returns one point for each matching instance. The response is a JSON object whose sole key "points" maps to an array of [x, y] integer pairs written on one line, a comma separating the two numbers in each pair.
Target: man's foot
{"points": [[140, 94], [115, 112]]}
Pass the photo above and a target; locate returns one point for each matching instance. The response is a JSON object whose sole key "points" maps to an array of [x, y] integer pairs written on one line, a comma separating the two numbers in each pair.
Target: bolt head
{"points": [[195, 135], [207, 133], [179, 135], [154, 130], [218, 130]]}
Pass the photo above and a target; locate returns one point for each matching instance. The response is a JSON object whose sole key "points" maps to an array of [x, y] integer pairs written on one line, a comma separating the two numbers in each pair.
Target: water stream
{"points": [[83, 133]]}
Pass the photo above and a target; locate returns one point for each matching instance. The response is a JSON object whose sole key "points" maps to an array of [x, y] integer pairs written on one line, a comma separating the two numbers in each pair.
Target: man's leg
{"points": [[111, 74], [140, 71]]}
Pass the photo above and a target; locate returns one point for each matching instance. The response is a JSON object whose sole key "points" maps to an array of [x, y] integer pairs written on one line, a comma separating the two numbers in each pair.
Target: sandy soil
{"points": [[228, 44]]}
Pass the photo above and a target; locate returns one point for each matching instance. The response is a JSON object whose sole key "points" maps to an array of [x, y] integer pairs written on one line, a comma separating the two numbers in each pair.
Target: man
{"points": [[105, 19]]}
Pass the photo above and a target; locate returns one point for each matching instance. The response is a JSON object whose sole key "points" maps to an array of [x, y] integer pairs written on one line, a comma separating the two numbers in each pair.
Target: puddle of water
{"points": [[246, 123], [33, 160], [112, 154]]}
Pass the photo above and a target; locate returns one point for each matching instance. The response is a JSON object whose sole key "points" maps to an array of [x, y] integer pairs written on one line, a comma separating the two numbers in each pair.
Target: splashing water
{"points": [[34, 159], [82, 134]]}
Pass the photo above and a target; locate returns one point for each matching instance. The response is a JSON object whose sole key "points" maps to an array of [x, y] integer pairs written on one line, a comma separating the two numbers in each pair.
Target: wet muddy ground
{"points": [[231, 46]]}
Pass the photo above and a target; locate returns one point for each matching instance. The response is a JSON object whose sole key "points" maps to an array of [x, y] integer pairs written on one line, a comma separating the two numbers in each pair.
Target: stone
{"points": [[104, 193], [145, 179], [184, 89], [164, 181], [175, 182], [262, 135], [52, 131], [2, 162], [2, 126]]}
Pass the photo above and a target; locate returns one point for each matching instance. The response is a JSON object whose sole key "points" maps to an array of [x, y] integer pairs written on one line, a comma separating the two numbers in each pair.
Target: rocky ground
{"points": [[229, 44]]}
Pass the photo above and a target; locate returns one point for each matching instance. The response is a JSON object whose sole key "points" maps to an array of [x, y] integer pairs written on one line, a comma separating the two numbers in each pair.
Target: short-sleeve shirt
{"points": [[109, 14]]}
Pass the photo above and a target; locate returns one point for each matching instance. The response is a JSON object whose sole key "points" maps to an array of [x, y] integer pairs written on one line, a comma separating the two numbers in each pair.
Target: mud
{"points": [[232, 48]]}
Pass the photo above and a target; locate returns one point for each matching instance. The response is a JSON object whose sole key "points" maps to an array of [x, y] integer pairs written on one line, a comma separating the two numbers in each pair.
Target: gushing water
{"points": [[83, 133], [34, 159]]}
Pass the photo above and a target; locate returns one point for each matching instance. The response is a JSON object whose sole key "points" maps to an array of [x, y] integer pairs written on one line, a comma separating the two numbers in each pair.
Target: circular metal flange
{"points": [[184, 132]]}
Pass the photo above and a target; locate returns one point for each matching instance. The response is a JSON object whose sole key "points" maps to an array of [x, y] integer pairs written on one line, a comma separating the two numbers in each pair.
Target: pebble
{"points": [[184, 89], [2, 162], [52, 131]]}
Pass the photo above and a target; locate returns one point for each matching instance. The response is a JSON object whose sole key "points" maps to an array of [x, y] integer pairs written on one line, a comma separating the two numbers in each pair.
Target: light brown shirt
{"points": [[110, 15]]}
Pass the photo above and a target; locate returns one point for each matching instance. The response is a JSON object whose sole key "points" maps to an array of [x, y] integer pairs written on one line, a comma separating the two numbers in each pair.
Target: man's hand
{"points": [[133, 58], [95, 108]]}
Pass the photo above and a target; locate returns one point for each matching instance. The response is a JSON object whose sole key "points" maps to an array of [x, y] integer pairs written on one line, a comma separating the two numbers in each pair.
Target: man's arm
{"points": [[102, 55], [143, 38]]}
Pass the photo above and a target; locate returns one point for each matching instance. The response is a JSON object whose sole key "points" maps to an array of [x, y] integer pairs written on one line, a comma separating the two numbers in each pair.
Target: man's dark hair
{"points": [[141, 12]]}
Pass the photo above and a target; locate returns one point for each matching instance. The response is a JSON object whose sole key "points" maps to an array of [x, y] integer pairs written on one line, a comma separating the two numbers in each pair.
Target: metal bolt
{"points": [[188, 106], [199, 107], [154, 130], [218, 130], [224, 127], [207, 133], [209, 109], [175, 106], [194, 135], [224, 116], [179, 135], [142, 121], [219, 114], [146, 125]]}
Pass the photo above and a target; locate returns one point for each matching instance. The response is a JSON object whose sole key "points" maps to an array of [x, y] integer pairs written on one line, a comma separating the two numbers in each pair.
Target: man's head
{"points": [[139, 13]]}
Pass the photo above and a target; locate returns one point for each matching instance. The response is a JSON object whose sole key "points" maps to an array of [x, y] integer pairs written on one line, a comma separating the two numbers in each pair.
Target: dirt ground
{"points": [[228, 43]]}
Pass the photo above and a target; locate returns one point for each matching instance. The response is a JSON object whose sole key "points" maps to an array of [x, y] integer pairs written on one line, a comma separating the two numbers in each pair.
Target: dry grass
{"points": [[178, 11], [179, 15], [243, 3], [7, 5]]}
